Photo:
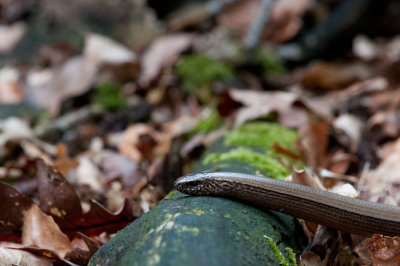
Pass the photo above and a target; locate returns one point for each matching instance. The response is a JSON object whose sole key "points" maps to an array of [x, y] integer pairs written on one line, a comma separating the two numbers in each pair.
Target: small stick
{"points": [[253, 35]]}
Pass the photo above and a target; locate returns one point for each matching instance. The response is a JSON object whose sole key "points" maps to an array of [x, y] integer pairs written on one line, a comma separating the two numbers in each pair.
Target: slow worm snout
{"points": [[322, 207]]}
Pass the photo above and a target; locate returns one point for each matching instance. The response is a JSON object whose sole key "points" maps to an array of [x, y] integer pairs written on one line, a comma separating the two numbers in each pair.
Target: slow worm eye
{"points": [[195, 185]]}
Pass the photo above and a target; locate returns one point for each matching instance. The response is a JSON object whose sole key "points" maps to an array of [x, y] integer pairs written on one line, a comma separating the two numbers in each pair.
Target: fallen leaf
{"points": [[16, 204], [64, 163], [13, 10], [321, 76], [130, 140], [71, 79], [115, 165], [163, 52], [81, 256], [40, 230], [345, 189], [10, 256], [239, 16], [259, 104], [310, 258], [385, 250], [313, 142], [384, 180], [10, 90], [55, 54], [10, 35], [352, 127], [89, 174], [286, 19], [57, 197], [364, 48], [13, 128], [103, 50], [306, 178]]}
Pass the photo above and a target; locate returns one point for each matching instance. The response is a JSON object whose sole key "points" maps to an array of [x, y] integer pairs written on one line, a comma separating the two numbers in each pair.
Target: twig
{"points": [[254, 33], [196, 14]]}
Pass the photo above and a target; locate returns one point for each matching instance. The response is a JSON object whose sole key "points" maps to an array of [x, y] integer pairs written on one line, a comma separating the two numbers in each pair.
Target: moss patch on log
{"points": [[185, 230], [252, 144]]}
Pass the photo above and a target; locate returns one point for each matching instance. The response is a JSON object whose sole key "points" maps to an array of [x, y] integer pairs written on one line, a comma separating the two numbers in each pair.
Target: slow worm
{"points": [[322, 207]]}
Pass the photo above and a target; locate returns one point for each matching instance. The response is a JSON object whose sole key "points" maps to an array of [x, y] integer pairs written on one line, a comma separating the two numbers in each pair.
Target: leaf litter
{"points": [[96, 127]]}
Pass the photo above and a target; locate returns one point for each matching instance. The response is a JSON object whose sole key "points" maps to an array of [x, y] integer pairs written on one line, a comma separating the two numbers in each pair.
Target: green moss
{"points": [[262, 135], [261, 161], [109, 96], [171, 194], [251, 144], [282, 260], [271, 64], [209, 124], [292, 256], [266, 60], [198, 71]]}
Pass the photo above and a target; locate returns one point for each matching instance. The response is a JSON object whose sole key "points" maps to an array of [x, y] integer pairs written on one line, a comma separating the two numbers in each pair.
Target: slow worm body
{"points": [[322, 207]]}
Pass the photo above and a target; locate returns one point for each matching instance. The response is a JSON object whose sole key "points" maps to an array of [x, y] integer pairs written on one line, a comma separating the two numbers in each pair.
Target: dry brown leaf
{"points": [[313, 142], [385, 178], [240, 15], [40, 230], [64, 163], [117, 166], [15, 204], [286, 19], [259, 104], [71, 79], [130, 139], [306, 178], [310, 259], [352, 127], [330, 76], [385, 250], [283, 23], [163, 52], [362, 250], [57, 197], [10, 256]]}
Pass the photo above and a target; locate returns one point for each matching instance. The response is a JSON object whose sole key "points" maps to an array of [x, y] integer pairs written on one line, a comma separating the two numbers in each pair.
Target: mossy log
{"points": [[185, 230]]}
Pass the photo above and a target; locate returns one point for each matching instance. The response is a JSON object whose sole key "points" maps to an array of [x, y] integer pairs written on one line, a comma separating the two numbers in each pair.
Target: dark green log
{"points": [[185, 230]]}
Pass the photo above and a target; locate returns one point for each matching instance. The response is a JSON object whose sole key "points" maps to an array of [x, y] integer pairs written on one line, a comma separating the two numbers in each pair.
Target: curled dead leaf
{"points": [[163, 52], [41, 230], [385, 250]]}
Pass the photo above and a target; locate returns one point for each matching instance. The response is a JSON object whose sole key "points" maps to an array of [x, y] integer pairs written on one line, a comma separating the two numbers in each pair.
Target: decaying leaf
{"points": [[313, 142], [10, 35], [9, 255], [383, 180], [58, 199], [73, 78], [259, 104], [103, 50], [16, 205], [385, 250], [10, 89], [40, 230], [163, 52]]}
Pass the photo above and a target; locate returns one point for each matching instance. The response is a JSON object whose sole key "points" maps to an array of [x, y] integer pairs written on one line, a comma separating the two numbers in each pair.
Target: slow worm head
{"points": [[322, 207]]}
